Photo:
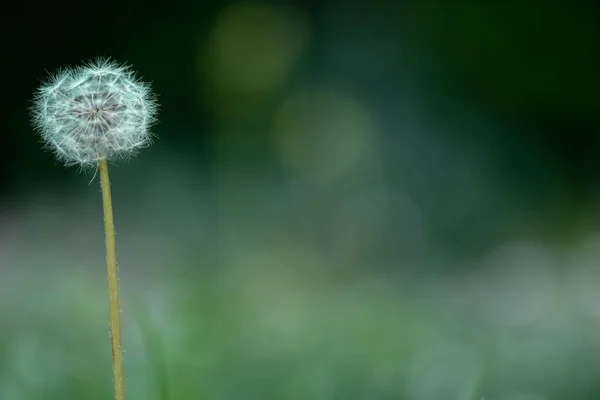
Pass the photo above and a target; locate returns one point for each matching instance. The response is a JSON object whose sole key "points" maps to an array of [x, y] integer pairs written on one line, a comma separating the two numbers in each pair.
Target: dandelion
{"points": [[87, 116], [99, 111]]}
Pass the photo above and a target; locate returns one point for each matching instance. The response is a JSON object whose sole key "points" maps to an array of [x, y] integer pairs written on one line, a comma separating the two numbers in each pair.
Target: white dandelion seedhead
{"points": [[98, 111]]}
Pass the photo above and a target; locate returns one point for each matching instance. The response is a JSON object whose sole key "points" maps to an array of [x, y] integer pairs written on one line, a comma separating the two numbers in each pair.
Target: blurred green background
{"points": [[347, 200]]}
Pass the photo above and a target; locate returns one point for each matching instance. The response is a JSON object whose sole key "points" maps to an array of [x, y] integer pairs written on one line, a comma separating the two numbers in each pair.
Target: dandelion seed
{"points": [[98, 111]]}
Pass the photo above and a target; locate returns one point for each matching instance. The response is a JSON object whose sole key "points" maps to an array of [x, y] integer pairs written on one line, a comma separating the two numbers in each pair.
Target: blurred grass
{"points": [[270, 335]]}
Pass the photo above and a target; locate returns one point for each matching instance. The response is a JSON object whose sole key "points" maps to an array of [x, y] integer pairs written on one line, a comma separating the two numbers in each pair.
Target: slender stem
{"points": [[113, 284]]}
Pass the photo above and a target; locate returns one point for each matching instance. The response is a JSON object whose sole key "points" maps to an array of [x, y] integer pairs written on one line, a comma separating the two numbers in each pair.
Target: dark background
{"points": [[526, 74], [421, 178]]}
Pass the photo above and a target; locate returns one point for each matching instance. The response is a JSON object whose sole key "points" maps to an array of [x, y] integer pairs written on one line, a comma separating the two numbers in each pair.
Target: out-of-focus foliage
{"points": [[263, 330]]}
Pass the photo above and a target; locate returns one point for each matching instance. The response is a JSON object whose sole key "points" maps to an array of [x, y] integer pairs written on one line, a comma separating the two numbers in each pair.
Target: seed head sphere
{"points": [[97, 111]]}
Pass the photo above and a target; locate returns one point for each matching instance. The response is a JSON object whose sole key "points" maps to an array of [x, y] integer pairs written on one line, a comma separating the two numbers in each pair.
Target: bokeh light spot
{"points": [[322, 135], [253, 46]]}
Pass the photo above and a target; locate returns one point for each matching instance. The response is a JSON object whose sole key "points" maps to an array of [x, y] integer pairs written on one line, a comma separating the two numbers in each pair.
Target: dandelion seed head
{"points": [[97, 111]]}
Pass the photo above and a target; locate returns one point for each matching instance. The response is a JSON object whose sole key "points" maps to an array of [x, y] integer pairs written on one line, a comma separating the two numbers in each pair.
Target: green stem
{"points": [[113, 284]]}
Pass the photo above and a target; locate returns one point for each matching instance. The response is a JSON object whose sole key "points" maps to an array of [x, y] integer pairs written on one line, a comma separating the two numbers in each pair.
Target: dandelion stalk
{"points": [[113, 284], [87, 116]]}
